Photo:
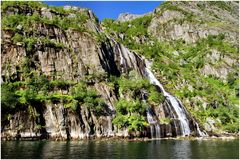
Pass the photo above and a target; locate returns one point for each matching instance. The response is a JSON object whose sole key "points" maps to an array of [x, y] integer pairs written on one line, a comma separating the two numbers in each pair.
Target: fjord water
{"points": [[214, 148]]}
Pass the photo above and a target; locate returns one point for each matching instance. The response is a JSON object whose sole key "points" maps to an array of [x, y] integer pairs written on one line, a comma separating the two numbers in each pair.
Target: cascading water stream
{"points": [[201, 134], [151, 121], [154, 126], [181, 116], [158, 133], [150, 118], [125, 56], [175, 103]]}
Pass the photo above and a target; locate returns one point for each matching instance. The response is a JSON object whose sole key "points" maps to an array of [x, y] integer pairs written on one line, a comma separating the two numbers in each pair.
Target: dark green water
{"points": [[122, 149]]}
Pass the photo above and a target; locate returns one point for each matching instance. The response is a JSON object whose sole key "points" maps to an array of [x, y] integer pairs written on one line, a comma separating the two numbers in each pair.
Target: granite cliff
{"points": [[64, 75]]}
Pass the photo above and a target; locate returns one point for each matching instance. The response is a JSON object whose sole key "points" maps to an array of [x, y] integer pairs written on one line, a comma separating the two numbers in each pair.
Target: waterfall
{"points": [[109, 131], [201, 134], [152, 131], [158, 133], [134, 61], [150, 118], [181, 116], [154, 125]]}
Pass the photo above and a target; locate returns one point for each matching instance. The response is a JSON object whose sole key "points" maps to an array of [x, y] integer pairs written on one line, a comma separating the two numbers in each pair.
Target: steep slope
{"points": [[56, 74], [61, 80], [194, 49], [195, 20], [64, 78]]}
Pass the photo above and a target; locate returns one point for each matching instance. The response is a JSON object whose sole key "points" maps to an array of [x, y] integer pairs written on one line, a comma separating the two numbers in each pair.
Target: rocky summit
{"points": [[171, 72]]}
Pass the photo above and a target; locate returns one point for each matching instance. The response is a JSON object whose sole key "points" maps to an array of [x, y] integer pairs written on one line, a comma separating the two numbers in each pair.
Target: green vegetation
{"points": [[87, 96], [188, 15], [133, 123], [65, 23], [132, 86], [131, 108], [34, 5], [130, 115], [170, 6], [10, 22], [25, 26], [165, 120], [130, 29], [31, 42], [8, 97], [37, 89], [221, 5], [177, 63]]}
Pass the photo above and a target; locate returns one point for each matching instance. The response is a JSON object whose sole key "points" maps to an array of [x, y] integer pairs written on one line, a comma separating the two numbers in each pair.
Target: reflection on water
{"points": [[182, 149], [121, 149]]}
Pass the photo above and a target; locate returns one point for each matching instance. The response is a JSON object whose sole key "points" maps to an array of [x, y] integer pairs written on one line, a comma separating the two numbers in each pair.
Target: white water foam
{"points": [[174, 102]]}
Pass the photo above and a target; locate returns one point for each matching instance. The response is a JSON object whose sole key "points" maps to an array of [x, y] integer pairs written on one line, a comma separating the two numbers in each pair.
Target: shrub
{"points": [[11, 21], [133, 85], [133, 122], [30, 43], [27, 96], [129, 106], [165, 120], [17, 38], [73, 104], [155, 96], [31, 4], [121, 121], [136, 123], [8, 96], [64, 22], [60, 84], [88, 97]]}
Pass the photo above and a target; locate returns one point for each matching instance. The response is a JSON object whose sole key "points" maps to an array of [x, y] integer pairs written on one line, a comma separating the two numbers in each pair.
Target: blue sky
{"points": [[111, 9]]}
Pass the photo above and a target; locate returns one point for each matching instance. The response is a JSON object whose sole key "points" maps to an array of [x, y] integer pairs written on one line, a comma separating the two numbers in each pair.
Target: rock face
{"points": [[123, 17], [57, 122], [195, 20], [73, 54], [194, 49]]}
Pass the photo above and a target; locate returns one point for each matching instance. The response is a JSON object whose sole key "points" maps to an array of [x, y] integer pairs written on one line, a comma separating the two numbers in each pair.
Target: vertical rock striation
{"points": [[72, 54]]}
